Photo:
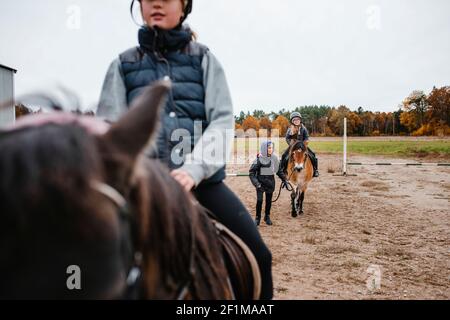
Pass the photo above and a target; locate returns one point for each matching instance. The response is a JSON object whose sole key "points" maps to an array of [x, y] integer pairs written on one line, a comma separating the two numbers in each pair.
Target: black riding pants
{"points": [[230, 211], [259, 203]]}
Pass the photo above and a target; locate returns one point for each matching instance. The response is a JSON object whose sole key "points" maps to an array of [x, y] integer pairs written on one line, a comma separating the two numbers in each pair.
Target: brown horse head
{"points": [[74, 191], [52, 219], [180, 253], [298, 156]]}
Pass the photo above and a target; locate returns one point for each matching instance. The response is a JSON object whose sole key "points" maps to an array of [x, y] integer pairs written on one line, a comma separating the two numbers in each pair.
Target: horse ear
{"points": [[133, 131]]}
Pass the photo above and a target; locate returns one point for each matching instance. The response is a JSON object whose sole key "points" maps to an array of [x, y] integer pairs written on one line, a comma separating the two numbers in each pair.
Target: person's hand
{"points": [[259, 187], [183, 178]]}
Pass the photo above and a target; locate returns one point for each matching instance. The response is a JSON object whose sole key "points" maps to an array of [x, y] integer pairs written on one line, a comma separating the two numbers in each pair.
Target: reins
{"points": [[289, 188]]}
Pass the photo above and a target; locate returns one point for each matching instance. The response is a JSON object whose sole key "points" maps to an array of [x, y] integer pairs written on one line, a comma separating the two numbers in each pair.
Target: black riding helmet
{"points": [[187, 8], [295, 114]]}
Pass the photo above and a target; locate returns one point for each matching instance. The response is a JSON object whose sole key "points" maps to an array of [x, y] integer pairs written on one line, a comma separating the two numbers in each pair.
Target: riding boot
{"points": [[283, 162], [267, 220], [315, 163], [316, 168]]}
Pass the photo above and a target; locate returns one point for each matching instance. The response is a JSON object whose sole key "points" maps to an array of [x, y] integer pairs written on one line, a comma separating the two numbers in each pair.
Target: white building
{"points": [[7, 115]]}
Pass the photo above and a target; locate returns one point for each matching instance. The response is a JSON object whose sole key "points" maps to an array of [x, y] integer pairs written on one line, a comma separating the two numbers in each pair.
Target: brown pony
{"points": [[74, 192], [300, 173]]}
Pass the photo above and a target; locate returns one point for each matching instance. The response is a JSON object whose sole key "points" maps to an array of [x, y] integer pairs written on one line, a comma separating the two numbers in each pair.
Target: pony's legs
{"points": [[294, 211], [298, 201], [302, 197]]}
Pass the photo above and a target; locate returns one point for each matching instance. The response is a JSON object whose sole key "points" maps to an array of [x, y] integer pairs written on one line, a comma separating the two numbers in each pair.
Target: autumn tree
{"points": [[418, 114], [250, 123], [281, 124], [439, 102], [22, 110], [353, 123], [265, 123], [336, 120], [409, 121], [239, 119], [258, 114], [416, 104]]}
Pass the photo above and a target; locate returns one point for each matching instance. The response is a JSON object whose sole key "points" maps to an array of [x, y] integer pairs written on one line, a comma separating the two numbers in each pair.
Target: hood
{"points": [[263, 148]]}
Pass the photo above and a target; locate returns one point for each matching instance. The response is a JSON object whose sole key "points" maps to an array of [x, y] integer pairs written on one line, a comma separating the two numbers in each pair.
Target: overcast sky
{"points": [[282, 53]]}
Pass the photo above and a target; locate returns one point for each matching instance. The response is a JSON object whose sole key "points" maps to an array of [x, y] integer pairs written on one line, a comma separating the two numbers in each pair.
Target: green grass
{"points": [[408, 148], [393, 148]]}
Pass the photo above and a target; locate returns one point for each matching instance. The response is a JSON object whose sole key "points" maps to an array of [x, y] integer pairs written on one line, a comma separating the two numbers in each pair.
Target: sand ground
{"points": [[383, 234]]}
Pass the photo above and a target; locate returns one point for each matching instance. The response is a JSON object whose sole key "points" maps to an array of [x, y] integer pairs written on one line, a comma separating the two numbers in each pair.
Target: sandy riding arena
{"points": [[383, 234]]}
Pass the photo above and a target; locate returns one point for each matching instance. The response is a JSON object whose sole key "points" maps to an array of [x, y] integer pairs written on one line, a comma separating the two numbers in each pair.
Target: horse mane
{"points": [[50, 218], [298, 145], [168, 220]]}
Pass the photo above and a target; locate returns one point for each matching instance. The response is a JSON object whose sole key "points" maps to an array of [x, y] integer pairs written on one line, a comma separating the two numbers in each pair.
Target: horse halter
{"points": [[303, 147], [127, 241]]}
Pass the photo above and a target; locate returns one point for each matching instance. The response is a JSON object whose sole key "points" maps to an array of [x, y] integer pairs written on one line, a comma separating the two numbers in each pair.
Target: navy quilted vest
{"points": [[185, 106]]}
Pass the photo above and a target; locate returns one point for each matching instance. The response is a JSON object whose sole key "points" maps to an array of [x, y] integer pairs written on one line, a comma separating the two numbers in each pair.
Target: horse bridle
{"points": [[289, 186], [306, 156], [128, 243], [128, 238]]}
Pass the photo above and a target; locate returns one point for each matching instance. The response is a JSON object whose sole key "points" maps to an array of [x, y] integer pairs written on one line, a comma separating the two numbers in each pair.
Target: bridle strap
{"points": [[134, 273], [109, 192]]}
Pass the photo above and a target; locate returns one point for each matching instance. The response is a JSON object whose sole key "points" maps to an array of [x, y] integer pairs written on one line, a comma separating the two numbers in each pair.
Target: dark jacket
{"points": [[263, 170]]}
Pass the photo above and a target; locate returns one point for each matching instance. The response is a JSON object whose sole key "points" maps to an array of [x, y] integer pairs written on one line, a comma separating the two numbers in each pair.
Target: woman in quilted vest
{"points": [[199, 107]]}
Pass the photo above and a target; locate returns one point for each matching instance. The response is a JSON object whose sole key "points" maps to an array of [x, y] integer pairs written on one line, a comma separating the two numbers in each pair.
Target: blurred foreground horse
{"points": [[77, 194]]}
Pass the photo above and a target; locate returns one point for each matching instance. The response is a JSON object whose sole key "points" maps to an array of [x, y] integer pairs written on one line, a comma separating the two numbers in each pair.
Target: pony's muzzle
{"points": [[298, 167]]}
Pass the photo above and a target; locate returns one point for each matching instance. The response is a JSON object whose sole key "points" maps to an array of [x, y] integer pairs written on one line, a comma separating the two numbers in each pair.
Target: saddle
{"points": [[245, 276]]}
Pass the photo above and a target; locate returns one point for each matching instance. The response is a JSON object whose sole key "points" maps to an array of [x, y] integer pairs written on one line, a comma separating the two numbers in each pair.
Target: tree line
{"points": [[419, 114]]}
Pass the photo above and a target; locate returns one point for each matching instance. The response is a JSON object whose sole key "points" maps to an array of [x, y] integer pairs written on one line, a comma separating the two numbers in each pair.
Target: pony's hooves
{"points": [[294, 215]]}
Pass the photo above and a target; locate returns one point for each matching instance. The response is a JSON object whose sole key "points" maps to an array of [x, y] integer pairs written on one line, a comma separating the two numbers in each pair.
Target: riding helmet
{"points": [[295, 114]]}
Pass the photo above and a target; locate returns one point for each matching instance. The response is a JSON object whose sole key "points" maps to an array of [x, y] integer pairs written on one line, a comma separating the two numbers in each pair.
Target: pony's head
{"points": [[298, 154], [65, 224], [180, 253], [74, 191], [53, 220]]}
